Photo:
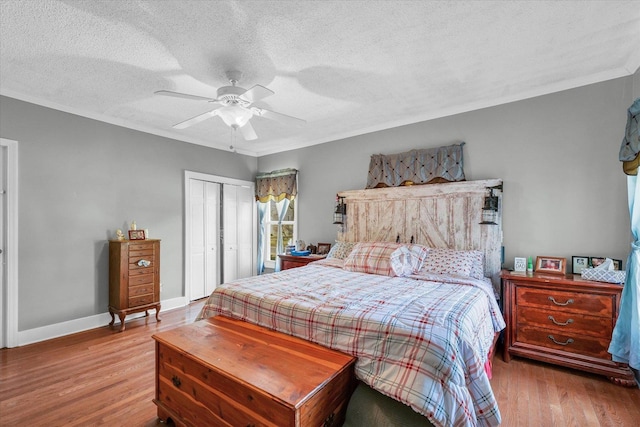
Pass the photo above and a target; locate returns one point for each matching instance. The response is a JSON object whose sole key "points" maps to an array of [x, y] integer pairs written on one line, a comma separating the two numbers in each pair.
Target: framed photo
{"points": [[578, 263], [596, 261], [617, 264], [136, 235], [520, 264], [552, 265], [324, 248]]}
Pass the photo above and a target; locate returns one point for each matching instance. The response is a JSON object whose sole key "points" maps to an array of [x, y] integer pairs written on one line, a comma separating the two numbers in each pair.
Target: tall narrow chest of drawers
{"points": [[134, 278], [564, 320]]}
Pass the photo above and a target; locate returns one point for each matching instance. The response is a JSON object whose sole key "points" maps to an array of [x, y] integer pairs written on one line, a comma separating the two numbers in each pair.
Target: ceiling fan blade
{"points": [[256, 93], [197, 119], [183, 95], [279, 117], [248, 133]]}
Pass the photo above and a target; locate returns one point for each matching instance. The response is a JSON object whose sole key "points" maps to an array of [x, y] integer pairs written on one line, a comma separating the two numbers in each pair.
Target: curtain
{"points": [[279, 186], [262, 232], [281, 207], [441, 164], [625, 341]]}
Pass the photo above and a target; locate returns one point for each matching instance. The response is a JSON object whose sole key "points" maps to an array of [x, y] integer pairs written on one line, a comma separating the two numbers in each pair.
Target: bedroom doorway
{"points": [[8, 243], [220, 232]]}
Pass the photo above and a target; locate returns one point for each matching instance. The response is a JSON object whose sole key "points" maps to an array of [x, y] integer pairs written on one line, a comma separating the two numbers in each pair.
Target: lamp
{"points": [[491, 207], [340, 212], [234, 115]]}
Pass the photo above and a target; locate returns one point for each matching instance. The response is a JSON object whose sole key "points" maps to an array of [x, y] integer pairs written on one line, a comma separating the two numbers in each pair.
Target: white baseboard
{"points": [[48, 332]]}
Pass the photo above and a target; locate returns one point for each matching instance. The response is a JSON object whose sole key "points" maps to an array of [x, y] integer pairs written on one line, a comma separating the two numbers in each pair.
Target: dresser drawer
{"points": [[565, 322], [141, 280], [141, 300], [140, 248], [146, 289], [137, 271], [183, 380], [134, 260], [573, 302], [571, 343]]}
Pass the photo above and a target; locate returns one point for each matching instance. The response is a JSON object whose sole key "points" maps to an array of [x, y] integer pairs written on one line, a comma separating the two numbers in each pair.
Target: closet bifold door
{"points": [[204, 241]]}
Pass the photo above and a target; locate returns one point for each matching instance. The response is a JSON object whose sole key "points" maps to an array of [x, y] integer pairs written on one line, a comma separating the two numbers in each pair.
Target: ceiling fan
{"points": [[235, 107]]}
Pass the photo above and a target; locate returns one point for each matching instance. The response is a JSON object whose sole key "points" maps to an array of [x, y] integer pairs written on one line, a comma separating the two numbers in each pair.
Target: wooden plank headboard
{"points": [[435, 215]]}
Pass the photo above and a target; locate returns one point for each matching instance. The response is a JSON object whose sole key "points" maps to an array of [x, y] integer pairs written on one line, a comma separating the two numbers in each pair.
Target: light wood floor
{"points": [[103, 377]]}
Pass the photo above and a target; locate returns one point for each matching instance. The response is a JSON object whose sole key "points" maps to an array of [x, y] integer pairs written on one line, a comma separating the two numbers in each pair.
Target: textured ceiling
{"points": [[346, 67]]}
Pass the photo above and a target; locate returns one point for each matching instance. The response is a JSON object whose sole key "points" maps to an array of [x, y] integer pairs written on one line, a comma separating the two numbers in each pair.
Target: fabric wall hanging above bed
{"points": [[429, 165]]}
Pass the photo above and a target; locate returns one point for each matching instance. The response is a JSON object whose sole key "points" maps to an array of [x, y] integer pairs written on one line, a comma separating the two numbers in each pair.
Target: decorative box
{"points": [[610, 276]]}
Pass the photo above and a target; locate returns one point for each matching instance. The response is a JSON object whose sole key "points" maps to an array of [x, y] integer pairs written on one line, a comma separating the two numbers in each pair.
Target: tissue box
{"points": [[611, 276]]}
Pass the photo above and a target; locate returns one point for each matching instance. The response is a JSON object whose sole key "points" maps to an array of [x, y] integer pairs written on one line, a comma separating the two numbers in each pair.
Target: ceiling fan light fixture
{"points": [[234, 115]]}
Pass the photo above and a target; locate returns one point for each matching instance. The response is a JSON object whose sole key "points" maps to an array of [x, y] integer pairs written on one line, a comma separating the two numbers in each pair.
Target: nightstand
{"points": [[293, 261], [563, 319]]}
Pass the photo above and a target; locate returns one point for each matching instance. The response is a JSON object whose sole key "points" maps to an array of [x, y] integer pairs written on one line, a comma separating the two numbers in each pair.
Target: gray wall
{"points": [[79, 180], [565, 192]]}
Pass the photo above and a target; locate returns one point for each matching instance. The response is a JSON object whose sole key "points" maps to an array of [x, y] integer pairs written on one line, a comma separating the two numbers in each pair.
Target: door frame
{"points": [[189, 175], [9, 310]]}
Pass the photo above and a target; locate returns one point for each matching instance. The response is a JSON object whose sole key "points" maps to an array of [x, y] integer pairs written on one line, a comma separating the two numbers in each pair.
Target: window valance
{"points": [[276, 185], [630, 148], [416, 167]]}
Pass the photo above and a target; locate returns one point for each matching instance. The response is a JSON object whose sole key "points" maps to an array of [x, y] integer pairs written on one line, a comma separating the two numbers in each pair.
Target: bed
{"points": [[409, 290]]}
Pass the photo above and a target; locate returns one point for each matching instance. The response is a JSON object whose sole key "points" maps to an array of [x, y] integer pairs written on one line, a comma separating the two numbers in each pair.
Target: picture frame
{"points": [[595, 261], [551, 265], [617, 264], [578, 263], [324, 248], [520, 264], [136, 235]]}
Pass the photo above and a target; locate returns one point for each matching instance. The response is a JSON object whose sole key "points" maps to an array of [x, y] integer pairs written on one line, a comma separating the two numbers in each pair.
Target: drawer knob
{"points": [[570, 301], [568, 322], [567, 342], [144, 263], [176, 381]]}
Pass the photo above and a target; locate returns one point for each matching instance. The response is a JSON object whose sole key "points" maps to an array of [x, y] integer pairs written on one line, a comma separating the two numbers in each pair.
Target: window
{"points": [[289, 231]]}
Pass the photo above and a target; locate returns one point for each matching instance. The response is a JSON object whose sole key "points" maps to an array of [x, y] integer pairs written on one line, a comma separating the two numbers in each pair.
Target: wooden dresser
{"points": [[224, 372], [564, 320], [134, 278], [293, 261]]}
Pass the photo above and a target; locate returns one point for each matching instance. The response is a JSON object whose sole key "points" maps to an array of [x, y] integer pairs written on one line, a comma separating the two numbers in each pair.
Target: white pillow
{"points": [[408, 259]]}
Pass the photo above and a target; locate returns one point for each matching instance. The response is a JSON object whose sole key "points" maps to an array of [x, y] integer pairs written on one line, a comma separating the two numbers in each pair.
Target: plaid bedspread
{"points": [[423, 343]]}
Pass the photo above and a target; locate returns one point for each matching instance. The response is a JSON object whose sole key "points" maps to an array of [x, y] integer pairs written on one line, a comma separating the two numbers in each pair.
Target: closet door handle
{"points": [[570, 301], [568, 322]]}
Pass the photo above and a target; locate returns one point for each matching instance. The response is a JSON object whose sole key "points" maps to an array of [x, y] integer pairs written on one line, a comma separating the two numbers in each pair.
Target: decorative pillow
{"points": [[380, 257], [450, 261], [341, 250], [408, 259], [477, 268], [372, 258]]}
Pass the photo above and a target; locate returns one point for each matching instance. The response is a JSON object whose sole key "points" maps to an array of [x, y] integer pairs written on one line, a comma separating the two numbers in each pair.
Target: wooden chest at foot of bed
{"points": [[224, 372]]}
